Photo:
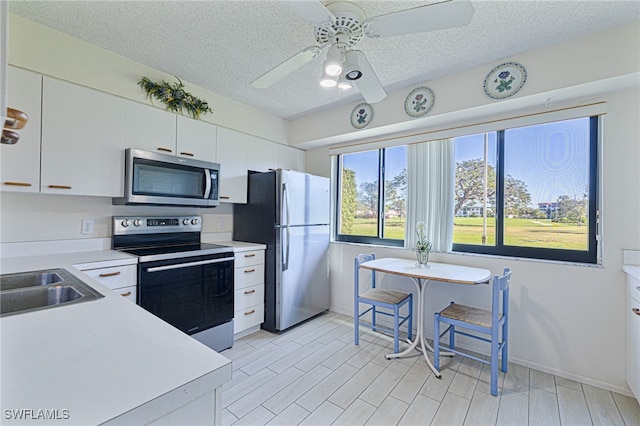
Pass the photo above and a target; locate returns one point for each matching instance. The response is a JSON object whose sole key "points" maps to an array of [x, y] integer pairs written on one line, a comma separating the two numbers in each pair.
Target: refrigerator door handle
{"points": [[285, 254]]}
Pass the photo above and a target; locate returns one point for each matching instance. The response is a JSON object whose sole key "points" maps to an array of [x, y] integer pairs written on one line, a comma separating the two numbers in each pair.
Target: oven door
{"points": [[192, 293]]}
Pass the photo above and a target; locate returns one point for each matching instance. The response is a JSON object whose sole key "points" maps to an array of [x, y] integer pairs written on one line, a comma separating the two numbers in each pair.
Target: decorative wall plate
{"points": [[419, 102], [505, 80], [361, 115]]}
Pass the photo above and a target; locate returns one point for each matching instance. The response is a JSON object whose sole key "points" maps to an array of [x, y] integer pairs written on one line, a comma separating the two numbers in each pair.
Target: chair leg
{"points": [[452, 336], [494, 363], [410, 331], [373, 317], [436, 341], [396, 328], [505, 346], [356, 323]]}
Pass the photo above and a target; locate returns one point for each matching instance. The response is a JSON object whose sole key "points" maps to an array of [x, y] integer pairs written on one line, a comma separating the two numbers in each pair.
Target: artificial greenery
{"points": [[175, 97]]}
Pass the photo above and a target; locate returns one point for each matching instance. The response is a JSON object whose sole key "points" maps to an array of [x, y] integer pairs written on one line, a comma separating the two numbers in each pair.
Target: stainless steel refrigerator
{"points": [[289, 212]]}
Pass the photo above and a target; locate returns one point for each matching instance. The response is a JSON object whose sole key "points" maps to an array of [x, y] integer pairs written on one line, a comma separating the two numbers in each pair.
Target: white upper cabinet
{"points": [[156, 130], [291, 158], [262, 155], [83, 138], [232, 156], [20, 163], [150, 129], [196, 139]]}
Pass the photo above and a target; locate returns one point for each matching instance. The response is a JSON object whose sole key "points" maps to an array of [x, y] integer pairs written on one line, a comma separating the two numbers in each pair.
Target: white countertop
{"points": [[632, 270], [97, 359], [241, 246]]}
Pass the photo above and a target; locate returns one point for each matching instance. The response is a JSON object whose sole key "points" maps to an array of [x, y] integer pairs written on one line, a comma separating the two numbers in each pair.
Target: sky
{"points": [[552, 159]]}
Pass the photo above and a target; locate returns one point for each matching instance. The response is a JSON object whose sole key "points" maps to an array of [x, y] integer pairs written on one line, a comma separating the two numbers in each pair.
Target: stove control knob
{"points": [[125, 223], [194, 221], [137, 222], [185, 221]]}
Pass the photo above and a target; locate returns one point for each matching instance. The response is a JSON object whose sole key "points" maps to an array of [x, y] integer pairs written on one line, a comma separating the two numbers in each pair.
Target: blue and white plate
{"points": [[419, 102], [505, 80], [361, 115]]}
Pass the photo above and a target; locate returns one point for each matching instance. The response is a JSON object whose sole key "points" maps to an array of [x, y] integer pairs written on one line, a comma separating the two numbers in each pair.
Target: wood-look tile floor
{"points": [[315, 375]]}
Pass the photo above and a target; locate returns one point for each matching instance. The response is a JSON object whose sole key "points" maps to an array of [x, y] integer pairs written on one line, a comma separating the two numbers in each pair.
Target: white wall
{"points": [[566, 319]]}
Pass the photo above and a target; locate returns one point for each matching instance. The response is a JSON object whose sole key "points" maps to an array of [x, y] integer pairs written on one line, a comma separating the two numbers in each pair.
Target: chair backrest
{"points": [[361, 258], [500, 286]]}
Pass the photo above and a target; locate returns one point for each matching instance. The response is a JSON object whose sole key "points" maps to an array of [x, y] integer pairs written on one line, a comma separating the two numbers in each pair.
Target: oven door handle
{"points": [[189, 264]]}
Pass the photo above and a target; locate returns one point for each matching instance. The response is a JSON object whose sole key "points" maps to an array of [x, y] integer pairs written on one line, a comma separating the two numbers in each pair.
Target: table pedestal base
{"points": [[424, 345]]}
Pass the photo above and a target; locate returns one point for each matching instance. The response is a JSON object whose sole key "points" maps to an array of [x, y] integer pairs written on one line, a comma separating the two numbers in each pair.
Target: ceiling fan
{"points": [[339, 28]]}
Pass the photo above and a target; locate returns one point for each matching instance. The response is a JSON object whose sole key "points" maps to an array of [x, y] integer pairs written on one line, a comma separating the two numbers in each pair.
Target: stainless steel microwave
{"points": [[152, 178]]}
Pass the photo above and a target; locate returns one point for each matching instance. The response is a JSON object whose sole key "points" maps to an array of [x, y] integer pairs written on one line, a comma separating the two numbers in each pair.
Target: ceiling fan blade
{"points": [[438, 16], [368, 84], [311, 10], [287, 67]]}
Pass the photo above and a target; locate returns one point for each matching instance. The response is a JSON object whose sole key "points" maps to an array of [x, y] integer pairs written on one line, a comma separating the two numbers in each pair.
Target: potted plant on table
{"points": [[423, 245]]}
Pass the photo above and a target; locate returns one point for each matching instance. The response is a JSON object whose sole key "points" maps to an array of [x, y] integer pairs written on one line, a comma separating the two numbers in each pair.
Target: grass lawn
{"points": [[518, 232]]}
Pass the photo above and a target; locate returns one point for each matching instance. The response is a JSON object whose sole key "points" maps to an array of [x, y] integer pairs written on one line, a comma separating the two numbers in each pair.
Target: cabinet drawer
{"points": [[248, 296], [129, 293], [248, 276], [248, 317], [246, 258], [115, 277]]}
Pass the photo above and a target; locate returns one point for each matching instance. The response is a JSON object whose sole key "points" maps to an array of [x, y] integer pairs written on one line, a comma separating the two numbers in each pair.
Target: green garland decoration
{"points": [[175, 97]]}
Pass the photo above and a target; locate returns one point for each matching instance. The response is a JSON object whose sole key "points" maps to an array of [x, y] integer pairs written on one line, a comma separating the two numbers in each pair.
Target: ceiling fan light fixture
{"points": [[333, 65], [344, 84], [352, 65], [328, 81]]}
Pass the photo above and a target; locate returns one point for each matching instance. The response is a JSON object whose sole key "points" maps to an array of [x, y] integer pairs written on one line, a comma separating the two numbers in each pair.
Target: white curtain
{"points": [[430, 192]]}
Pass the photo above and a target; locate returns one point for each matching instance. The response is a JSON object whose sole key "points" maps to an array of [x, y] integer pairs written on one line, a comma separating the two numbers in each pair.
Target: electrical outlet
{"points": [[221, 223], [87, 227]]}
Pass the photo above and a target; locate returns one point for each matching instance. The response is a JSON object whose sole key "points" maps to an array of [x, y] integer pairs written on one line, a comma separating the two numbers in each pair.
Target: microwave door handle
{"points": [[207, 185]]}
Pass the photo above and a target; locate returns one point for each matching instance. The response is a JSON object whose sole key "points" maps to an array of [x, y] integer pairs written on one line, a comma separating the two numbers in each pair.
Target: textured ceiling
{"points": [[224, 45]]}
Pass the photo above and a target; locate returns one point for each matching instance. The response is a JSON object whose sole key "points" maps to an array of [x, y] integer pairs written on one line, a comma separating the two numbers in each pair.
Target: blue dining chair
{"points": [[383, 302], [493, 323]]}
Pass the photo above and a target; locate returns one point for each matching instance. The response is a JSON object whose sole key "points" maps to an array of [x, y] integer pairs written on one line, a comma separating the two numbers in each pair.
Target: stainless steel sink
{"points": [[35, 290], [28, 279]]}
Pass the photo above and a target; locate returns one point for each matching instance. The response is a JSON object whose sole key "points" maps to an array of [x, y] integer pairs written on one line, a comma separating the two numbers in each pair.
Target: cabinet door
{"points": [[262, 154], [633, 337], [196, 139], [232, 156], [150, 129], [290, 158], [21, 161], [83, 137]]}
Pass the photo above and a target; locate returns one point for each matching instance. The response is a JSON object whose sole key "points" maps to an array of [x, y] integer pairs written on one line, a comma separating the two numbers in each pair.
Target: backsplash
{"points": [[43, 217]]}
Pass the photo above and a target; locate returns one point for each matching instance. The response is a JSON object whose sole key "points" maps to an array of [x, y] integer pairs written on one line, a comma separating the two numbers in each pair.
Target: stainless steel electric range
{"points": [[182, 281]]}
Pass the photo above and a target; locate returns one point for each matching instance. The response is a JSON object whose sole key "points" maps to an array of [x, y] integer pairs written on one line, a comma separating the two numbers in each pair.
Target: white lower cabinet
{"points": [[249, 290], [121, 279], [633, 335]]}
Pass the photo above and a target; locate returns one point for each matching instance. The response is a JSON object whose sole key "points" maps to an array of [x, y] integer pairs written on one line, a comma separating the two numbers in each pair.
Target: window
{"points": [[528, 192], [372, 195]]}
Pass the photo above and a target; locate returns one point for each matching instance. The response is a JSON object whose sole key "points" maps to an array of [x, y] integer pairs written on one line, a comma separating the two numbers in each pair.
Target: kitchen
{"points": [[573, 354]]}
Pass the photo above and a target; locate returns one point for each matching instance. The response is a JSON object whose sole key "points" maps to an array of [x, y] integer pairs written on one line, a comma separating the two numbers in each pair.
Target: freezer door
{"points": [[302, 287], [303, 199]]}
